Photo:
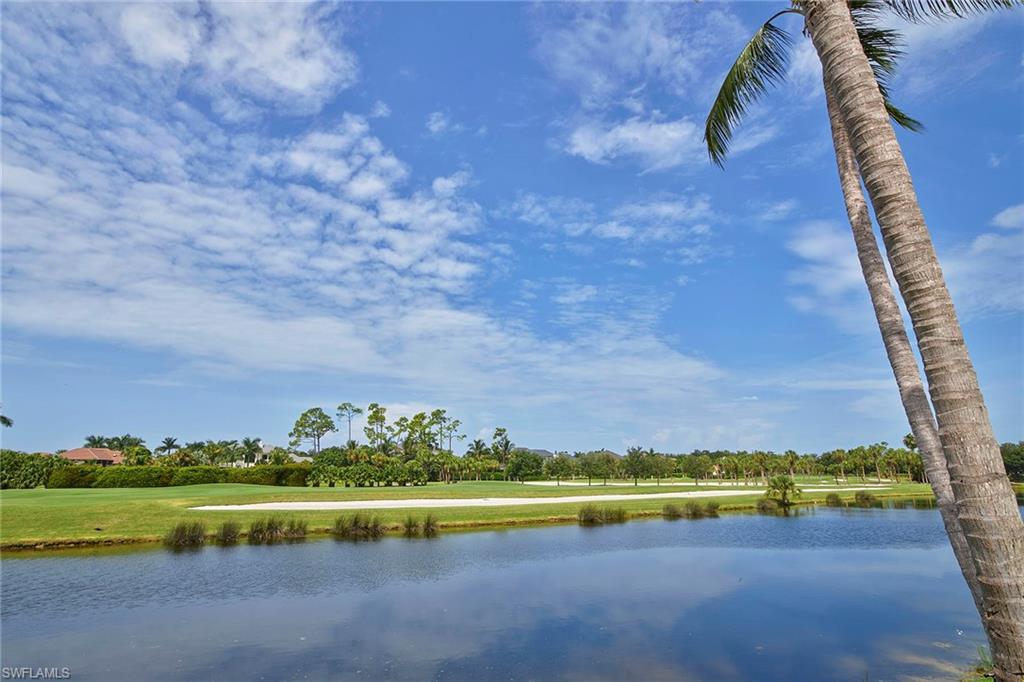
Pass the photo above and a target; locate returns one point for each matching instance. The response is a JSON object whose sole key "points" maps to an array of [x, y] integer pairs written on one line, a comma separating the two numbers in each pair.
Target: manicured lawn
{"points": [[29, 517]]}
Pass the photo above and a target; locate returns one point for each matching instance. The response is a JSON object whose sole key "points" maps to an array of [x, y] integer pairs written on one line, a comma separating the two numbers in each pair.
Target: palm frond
{"points": [[920, 11], [883, 48], [761, 64]]}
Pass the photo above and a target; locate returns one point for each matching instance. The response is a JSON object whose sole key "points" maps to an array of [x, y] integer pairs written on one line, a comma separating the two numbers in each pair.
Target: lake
{"points": [[829, 594]]}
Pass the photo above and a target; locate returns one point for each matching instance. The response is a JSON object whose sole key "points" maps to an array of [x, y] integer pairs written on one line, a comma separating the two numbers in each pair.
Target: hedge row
{"points": [[86, 476], [22, 470]]}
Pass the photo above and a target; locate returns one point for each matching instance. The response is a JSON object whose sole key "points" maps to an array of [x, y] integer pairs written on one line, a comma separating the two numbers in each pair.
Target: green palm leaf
{"points": [[762, 63], [932, 10]]}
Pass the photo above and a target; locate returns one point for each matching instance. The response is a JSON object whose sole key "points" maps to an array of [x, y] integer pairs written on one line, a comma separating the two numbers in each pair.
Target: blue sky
{"points": [[216, 216]]}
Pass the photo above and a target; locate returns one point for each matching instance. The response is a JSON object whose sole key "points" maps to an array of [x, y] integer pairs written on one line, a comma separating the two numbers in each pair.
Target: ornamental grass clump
{"points": [[186, 534], [274, 529], [591, 515], [693, 510], [767, 505], [357, 527], [228, 533], [410, 527], [833, 500], [430, 526], [864, 499], [671, 512], [711, 509]]}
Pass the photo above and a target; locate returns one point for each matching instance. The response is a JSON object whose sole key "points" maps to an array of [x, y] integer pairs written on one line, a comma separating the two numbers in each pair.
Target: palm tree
{"points": [[168, 445], [781, 488], [6, 421], [95, 442], [791, 460], [252, 448], [855, 58]]}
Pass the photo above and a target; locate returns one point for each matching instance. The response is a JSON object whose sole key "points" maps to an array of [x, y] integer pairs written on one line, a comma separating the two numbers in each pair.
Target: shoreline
{"points": [[395, 529]]}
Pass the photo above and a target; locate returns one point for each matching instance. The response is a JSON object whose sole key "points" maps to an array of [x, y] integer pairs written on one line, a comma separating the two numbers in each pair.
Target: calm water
{"points": [[831, 595]]}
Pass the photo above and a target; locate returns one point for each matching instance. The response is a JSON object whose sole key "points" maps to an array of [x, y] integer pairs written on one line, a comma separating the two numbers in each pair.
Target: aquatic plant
{"points": [[186, 534], [430, 526], [591, 515], [228, 533], [671, 512], [357, 527], [863, 498], [274, 529]]}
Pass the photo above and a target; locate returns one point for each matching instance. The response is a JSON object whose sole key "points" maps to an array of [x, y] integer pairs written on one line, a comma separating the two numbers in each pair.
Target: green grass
{"points": [[109, 515]]}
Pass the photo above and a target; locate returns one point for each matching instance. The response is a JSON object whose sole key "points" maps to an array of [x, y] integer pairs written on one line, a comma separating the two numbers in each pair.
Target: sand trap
{"points": [[423, 503]]}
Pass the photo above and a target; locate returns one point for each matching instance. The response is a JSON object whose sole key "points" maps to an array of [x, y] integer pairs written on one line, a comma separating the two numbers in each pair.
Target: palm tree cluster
{"points": [[950, 422]]}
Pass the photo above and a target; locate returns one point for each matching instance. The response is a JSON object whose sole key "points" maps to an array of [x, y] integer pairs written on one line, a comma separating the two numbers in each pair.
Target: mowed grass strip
{"points": [[55, 517]]}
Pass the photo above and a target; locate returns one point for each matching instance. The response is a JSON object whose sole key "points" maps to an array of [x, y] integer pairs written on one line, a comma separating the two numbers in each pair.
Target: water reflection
{"points": [[830, 594]]}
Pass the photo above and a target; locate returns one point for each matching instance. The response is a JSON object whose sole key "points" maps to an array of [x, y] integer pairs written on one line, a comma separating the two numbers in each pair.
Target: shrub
{"points": [[274, 529], [257, 475], [672, 512], [198, 475], [133, 477], [357, 527], [693, 510], [590, 515], [228, 533], [767, 505], [711, 509], [22, 470], [411, 527], [430, 526], [186, 534], [270, 474], [863, 498], [833, 500], [73, 476]]}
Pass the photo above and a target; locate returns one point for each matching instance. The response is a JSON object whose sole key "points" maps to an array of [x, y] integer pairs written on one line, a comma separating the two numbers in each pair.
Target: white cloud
{"points": [[439, 123], [660, 219], [239, 52], [830, 279], [656, 145], [135, 219], [1010, 218], [608, 53], [380, 110]]}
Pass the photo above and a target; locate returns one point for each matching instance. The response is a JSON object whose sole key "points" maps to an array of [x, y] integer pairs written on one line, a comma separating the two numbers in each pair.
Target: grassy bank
{"points": [[70, 517]]}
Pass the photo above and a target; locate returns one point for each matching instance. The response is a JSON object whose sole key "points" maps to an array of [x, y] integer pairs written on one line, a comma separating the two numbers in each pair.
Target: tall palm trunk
{"points": [[985, 504]]}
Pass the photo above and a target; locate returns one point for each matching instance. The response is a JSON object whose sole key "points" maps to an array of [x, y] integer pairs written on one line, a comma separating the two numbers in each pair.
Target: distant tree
{"points": [[136, 455], [1013, 459], [909, 442], [252, 450], [6, 421], [782, 488], [347, 411], [478, 450], [278, 456], [636, 464], [121, 443], [376, 425], [560, 466], [661, 466], [312, 425], [792, 459], [524, 464], [761, 461], [167, 446], [501, 446]]}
